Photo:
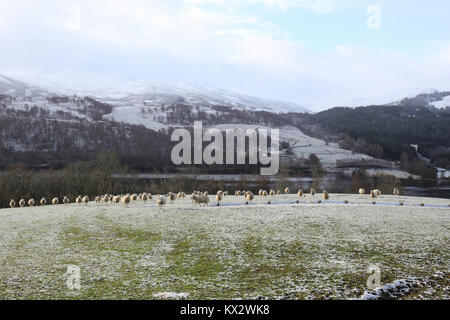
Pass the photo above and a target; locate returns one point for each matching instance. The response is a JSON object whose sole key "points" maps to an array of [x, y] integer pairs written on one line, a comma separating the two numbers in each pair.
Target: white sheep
{"points": [[43, 202], [272, 192], [85, 200], [12, 203], [126, 199], [105, 198], [66, 200], [286, 191], [249, 196], [300, 193], [219, 198], [313, 192], [361, 191], [22, 203], [203, 200], [396, 192], [31, 202], [160, 200], [55, 201], [78, 200]]}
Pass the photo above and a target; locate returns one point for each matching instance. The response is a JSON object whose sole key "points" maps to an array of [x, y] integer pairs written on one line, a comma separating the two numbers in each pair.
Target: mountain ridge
{"points": [[119, 90]]}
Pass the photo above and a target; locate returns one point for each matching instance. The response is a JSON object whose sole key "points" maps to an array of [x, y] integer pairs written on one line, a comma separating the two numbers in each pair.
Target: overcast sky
{"points": [[318, 53]]}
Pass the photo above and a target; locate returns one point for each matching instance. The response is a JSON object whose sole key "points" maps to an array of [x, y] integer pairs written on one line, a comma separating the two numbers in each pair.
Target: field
{"points": [[281, 250]]}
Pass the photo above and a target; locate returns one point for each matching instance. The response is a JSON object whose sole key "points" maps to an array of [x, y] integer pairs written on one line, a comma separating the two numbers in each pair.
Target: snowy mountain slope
{"points": [[14, 87], [445, 102], [121, 90], [420, 95]]}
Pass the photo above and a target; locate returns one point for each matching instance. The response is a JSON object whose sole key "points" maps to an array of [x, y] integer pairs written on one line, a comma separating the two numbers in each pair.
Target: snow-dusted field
{"points": [[277, 250]]}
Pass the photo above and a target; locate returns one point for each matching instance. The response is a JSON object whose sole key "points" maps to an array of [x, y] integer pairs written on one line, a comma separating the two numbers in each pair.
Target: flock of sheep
{"points": [[197, 197]]}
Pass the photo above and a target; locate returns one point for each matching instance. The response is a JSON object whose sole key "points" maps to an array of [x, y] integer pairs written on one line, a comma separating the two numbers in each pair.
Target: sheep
{"points": [[85, 200], [300, 193], [66, 200], [260, 192], [105, 198], [313, 192], [55, 201], [160, 200], [12, 203], [97, 199], [286, 191], [225, 193], [144, 197], [78, 200], [325, 196], [126, 199], [133, 197], [219, 197], [249, 196], [377, 192], [22, 203], [265, 193], [237, 193], [202, 200], [272, 192], [396, 192], [171, 196], [373, 194], [278, 192], [43, 202], [205, 193], [116, 199], [149, 196], [31, 202], [361, 191]]}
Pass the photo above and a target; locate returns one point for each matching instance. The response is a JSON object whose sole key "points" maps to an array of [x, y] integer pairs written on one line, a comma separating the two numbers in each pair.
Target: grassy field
{"points": [[278, 251]]}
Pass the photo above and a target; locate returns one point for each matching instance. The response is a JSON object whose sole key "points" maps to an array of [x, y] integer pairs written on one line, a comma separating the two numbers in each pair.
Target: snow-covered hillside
{"points": [[303, 145], [445, 102], [153, 92], [422, 96]]}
